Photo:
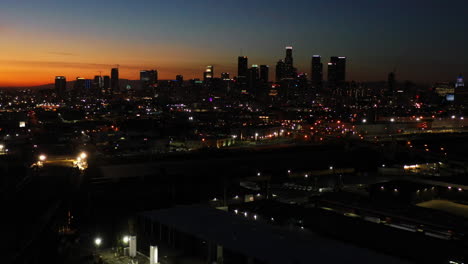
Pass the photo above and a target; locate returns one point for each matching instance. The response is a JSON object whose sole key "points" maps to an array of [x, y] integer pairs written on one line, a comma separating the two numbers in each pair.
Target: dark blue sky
{"points": [[424, 40]]}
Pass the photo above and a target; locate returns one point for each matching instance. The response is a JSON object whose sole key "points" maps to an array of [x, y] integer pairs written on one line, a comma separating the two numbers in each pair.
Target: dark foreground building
{"points": [[215, 235]]}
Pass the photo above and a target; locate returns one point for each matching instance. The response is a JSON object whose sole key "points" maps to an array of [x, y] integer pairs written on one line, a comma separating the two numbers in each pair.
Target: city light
{"points": [[197, 148], [98, 241]]}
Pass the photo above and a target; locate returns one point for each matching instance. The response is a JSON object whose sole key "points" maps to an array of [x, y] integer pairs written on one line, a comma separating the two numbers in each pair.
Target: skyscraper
{"points": [[60, 86], [289, 58], [280, 70], [115, 80], [88, 83], [225, 76], [253, 77], [209, 73], [460, 83], [79, 85], [317, 71], [460, 94], [289, 70], [242, 67], [98, 84], [148, 78], [337, 71], [106, 85], [264, 73]]}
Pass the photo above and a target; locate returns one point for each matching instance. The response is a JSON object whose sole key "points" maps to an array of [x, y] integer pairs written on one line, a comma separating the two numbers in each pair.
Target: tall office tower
{"points": [[98, 84], [337, 71], [391, 81], [209, 73], [114, 80], [461, 94], [60, 86], [88, 84], [280, 70], [144, 80], [148, 78], [253, 76], [225, 76], [289, 71], [79, 84], [264, 73], [106, 85], [317, 71], [460, 83], [242, 67], [242, 70], [289, 58]]}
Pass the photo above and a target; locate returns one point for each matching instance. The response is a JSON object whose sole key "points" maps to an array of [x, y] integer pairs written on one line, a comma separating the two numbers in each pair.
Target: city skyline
{"points": [[421, 40]]}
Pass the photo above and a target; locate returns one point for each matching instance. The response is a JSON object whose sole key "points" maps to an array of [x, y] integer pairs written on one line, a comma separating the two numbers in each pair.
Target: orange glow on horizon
{"points": [[20, 74]]}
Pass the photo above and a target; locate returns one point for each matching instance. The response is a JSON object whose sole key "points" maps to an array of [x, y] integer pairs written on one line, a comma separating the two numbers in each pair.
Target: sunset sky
{"points": [[424, 40]]}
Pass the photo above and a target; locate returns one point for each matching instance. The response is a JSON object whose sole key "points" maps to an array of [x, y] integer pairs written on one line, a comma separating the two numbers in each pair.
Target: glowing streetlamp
{"points": [[97, 241], [126, 239], [83, 155], [42, 157]]}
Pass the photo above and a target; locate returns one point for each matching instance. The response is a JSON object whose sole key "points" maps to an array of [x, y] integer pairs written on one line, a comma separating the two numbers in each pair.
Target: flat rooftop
{"points": [[260, 240], [447, 206]]}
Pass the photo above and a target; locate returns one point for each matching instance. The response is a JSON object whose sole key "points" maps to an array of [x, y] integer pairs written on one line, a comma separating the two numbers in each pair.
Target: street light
{"points": [[83, 155], [126, 239], [42, 157], [98, 241]]}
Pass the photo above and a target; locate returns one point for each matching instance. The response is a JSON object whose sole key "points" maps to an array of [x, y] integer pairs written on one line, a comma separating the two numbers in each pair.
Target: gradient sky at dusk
{"points": [[424, 40]]}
